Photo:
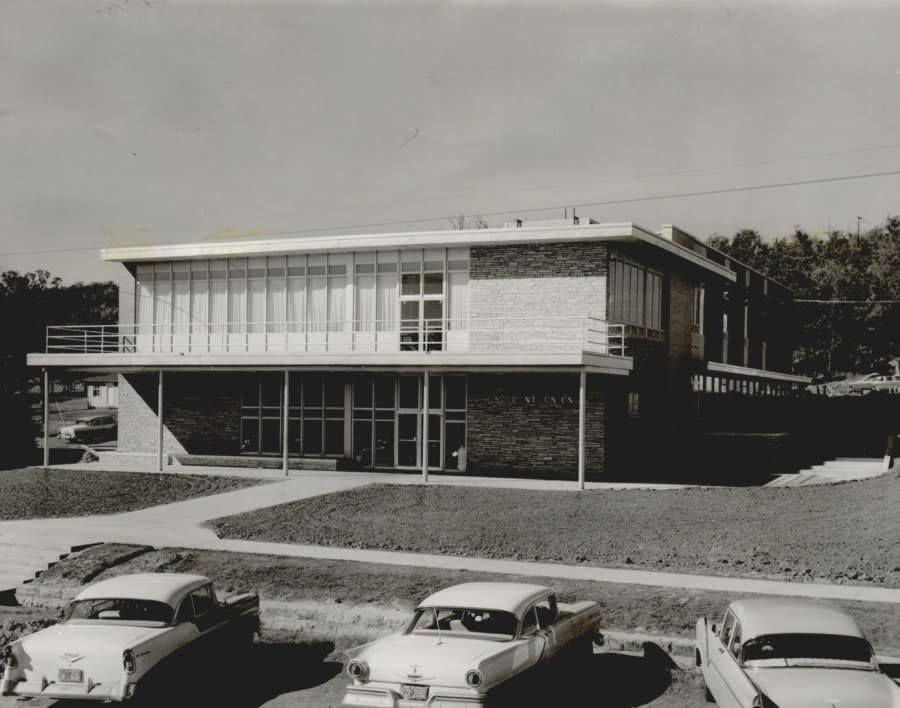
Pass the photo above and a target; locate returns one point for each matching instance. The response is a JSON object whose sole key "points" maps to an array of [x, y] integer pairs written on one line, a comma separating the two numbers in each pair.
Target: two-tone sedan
{"points": [[467, 640], [785, 653], [118, 631]]}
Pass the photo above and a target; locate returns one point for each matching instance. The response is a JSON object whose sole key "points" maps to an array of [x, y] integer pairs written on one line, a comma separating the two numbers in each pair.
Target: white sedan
{"points": [[466, 640], [790, 654], [117, 631]]}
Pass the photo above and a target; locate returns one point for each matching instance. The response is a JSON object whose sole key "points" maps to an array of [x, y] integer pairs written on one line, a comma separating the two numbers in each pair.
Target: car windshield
{"points": [[122, 610], [82, 421], [793, 648], [487, 624]]}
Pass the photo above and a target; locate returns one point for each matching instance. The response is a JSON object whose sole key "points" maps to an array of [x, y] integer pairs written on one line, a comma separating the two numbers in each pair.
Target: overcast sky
{"points": [[144, 121]]}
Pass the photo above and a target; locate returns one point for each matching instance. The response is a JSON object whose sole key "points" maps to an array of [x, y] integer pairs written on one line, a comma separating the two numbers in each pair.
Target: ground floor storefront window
{"points": [[382, 411]]}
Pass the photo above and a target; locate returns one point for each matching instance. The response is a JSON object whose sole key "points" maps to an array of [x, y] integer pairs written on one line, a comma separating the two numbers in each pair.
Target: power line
{"points": [[610, 202], [849, 302]]}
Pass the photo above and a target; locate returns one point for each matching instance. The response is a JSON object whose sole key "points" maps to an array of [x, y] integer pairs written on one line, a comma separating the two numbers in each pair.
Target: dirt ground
{"points": [[346, 586], [838, 533], [38, 493]]}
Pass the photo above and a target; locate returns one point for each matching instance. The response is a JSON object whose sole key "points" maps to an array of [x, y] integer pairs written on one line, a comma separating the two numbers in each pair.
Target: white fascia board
{"points": [[418, 239], [720, 368]]}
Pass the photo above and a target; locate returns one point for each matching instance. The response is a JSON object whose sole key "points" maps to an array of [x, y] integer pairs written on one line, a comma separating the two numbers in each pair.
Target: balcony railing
{"points": [[493, 334]]}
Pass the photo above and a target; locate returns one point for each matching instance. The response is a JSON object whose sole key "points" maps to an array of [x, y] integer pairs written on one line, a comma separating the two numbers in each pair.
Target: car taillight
{"points": [[9, 658], [358, 669], [128, 661], [474, 678]]}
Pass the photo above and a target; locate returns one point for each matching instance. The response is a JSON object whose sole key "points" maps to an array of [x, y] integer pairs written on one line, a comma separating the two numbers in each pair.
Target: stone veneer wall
{"points": [[527, 425], [201, 413], [538, 280]]}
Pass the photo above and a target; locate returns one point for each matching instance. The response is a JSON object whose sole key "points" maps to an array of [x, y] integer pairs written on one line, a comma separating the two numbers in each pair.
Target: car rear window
{"points": [[829, 647]]}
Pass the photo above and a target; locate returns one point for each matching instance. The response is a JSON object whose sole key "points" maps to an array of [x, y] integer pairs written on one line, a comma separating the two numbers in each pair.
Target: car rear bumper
{"points": [[385, 698], [60, 691]]}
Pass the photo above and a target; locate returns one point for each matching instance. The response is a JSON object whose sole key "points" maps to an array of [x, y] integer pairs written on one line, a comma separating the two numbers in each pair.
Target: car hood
{"points": [[95, 648], [438, 663], [802, 687]]}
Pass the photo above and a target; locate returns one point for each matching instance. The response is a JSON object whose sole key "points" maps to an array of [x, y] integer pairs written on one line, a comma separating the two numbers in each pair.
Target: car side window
{"points": [[202, 601], [529, 622], [185, 611], [736, 641], [727, 628], [546, 611]]}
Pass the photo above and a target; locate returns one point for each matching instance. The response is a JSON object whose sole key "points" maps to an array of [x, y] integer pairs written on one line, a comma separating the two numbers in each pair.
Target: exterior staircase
{"points": [[841, 469], [20, 563]]}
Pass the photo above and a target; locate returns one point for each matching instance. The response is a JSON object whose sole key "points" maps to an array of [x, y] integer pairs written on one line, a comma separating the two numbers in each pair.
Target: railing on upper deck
{"points": [[471, 335]]}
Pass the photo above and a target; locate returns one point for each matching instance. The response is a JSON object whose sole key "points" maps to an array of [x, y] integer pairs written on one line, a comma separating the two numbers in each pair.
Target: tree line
{"points": [[847, 288]]}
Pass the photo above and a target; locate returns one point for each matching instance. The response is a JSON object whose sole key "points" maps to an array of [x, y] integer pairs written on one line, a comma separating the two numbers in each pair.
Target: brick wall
{"points": [[538, 280], [201, 413], [527, 425]]}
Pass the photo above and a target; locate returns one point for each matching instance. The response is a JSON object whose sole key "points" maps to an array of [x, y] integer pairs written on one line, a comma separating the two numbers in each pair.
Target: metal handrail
{"points": [[546, 334]]}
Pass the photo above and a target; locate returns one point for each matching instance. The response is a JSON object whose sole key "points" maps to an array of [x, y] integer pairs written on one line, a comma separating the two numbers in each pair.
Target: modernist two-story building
{"points": [[551, 349]]}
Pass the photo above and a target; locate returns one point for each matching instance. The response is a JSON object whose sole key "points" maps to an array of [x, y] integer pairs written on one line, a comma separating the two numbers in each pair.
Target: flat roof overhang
{"points": [[409, 361], [734, 370], [620, 232]]}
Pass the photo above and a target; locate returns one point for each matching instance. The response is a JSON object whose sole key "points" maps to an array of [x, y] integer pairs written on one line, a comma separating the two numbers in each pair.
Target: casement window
{"points": [[635, 294], [699, 304]]}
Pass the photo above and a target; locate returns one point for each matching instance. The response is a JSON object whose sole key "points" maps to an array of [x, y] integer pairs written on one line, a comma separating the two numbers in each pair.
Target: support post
{"points": [[425, 429], [284, 429], [582, 384], [159, 415], [46, 418]]}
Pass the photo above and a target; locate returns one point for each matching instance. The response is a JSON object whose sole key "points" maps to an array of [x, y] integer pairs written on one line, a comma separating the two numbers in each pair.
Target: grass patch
{"points": [[38, 493], [839, 533]]}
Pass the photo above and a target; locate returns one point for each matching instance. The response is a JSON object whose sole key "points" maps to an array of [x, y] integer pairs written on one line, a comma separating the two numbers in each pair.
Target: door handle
{"points": [[721, 650]]}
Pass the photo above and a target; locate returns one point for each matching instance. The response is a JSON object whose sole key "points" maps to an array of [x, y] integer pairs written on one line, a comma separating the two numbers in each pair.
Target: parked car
{"points": [[790, 654], [89, 428], [888, 383], [117, 631], [466, 640]]}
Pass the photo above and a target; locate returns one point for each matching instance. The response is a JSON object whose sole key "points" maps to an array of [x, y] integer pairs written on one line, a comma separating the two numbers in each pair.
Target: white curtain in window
{"points": [[218, 313], [458, 291], [257, 298], [237, 305], [318, 314], [275, 304], [181, 306], [296, 314], [386, 302], [144, 295], [365, 303], [337, 303]]}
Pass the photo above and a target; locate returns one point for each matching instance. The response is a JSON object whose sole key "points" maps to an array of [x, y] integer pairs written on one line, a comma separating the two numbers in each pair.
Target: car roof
{"points": [[792, 616], [162, 587], [507, 597]]}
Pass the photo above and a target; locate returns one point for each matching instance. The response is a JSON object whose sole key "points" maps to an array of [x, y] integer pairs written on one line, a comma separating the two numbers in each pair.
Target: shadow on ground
{"points": [[258, 675], [610, 679]]}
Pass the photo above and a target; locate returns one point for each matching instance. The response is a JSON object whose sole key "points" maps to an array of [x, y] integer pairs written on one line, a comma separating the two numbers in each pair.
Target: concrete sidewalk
{"points": [[180, 524]]}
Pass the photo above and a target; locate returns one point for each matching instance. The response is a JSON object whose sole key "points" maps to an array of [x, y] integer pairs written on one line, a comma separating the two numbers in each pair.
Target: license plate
{"points": [[414, 693], [71, 676]]}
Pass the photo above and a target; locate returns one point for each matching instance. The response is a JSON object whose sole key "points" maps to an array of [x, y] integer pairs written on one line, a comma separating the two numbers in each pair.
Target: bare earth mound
{"points": [[839, 533], [35, 493]]}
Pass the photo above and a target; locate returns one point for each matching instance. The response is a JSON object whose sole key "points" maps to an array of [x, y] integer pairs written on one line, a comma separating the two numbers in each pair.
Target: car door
{"points": [[725, 678], [555, 637], [531, 649]]}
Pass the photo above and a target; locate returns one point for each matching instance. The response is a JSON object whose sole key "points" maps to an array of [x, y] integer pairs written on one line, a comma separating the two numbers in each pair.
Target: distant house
{"points": [[102, 391], [549, 349]]}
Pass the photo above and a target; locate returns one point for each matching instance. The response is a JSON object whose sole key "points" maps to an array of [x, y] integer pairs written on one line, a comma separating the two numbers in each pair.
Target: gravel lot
{"points": [[840, 533], [38, 493]]}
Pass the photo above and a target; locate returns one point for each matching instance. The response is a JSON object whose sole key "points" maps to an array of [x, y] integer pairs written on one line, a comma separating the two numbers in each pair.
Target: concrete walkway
{"points": [[179, 524]]}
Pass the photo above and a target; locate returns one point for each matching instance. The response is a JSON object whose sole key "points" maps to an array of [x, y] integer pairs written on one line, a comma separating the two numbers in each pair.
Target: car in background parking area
{"points": [[90, 428]]}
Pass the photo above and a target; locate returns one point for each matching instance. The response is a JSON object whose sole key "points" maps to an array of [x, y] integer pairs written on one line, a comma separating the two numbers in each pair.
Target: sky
{"points": [[148, 121]]}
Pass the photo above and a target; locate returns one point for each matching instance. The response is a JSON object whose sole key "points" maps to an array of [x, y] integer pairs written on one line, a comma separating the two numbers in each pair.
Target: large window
{"points": [[304, 302], [635, 294]]}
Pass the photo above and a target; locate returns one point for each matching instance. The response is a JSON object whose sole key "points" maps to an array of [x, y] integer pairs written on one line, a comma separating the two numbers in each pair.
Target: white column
{"points": [[159, 414], [46, 418], [425, 429], [582, 382], [286, 420]]}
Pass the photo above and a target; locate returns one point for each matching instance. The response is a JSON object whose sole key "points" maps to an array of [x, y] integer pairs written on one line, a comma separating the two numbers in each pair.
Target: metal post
{"points": [[425, 429], [46, 418], [284, 429], [582, 383], [159, 414]]}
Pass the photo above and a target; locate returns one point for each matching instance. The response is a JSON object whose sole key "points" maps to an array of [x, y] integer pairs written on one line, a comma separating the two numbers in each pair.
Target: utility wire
{"points": [[849, 302], [610, 202]]}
